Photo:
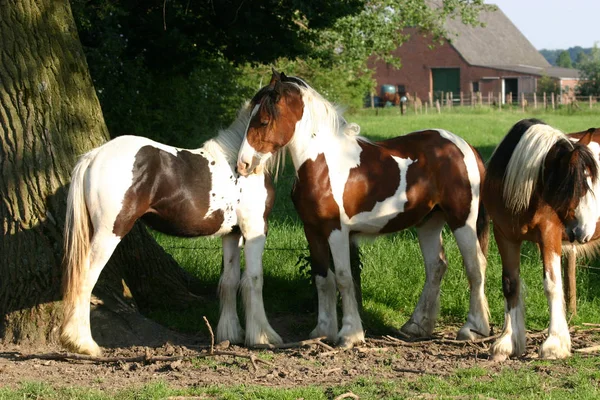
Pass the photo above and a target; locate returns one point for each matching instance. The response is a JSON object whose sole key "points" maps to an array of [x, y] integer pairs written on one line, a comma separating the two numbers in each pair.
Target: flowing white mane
{"points": [[525, 164], [228, 141]]}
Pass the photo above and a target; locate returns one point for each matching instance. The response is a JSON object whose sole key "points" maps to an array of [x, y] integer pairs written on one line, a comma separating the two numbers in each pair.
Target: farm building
{"points": [[496, 58]]}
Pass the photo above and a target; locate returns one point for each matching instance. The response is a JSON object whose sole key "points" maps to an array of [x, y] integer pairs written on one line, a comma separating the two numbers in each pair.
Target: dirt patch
{"points": [[379, 358]]}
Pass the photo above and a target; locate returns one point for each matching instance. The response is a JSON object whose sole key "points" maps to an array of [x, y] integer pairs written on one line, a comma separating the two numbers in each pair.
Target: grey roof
{"points": [[499, 42], [553, 72]]}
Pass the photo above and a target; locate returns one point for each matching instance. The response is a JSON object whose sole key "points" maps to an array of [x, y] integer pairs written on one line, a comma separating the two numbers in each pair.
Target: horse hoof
{"points": [[553, 348], [413, 330], [345, 344]]}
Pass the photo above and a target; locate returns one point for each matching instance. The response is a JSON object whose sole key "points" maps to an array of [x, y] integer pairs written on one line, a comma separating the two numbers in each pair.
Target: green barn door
{"points": [[446, 80]]}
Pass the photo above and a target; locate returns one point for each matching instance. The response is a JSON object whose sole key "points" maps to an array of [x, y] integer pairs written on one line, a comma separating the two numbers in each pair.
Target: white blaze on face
{"points": [[588, 210], [247, 153]]}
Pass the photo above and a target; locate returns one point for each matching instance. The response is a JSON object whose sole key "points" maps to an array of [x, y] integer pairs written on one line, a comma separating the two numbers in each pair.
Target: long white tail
{"points": [[77, 233]]}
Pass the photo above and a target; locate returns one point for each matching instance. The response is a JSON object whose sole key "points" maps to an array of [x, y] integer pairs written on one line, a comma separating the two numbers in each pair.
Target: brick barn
{"points": [[491, 59]]}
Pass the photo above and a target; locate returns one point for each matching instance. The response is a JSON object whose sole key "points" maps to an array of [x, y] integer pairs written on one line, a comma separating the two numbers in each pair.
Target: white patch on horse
{"points": [[374, 220]]}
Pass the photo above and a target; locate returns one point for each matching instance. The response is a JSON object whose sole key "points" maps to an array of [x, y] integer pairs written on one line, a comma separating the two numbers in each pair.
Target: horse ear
{"points": [[283, 77], [275, 77], [587, 138]]}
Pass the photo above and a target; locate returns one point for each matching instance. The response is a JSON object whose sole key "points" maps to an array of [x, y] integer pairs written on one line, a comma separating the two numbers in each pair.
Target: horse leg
{"points": [[258, 329], [76, 332], [422, 321], [558, 343], [475, 264], [327, 324], [352, 332], [229, 327], [512, 340]]}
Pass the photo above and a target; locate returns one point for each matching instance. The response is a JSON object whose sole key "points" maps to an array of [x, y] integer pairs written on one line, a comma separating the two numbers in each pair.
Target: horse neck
{"points": [[320, 131]]}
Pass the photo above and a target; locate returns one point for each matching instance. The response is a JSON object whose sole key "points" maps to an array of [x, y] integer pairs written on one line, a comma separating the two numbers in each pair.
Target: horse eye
{"points": [[264, 122]]}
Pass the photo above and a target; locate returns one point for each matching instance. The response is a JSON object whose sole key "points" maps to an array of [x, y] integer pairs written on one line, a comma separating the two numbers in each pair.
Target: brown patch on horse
{"points": [[361, 192], [171, 194], [443, 180], [313, 197], [270, 199]]}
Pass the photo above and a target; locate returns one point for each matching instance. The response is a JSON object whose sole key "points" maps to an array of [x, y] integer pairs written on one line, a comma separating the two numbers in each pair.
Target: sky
{"points": [[555, 24]]}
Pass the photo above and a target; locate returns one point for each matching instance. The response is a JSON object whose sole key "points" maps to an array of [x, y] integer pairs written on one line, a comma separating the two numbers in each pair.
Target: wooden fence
{"points": [[443, 101]]}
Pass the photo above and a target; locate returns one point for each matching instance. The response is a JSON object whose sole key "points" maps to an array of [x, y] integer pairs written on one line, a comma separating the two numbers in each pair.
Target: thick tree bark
{"points": [[49, 115]]}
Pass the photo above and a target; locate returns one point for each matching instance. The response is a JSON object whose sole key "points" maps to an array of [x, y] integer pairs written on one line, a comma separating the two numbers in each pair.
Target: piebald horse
{"points": [[176, 191], [540, 187], [348, 186]]}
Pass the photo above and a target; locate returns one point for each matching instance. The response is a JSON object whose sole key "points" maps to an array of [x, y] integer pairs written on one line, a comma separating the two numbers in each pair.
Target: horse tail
{"points": [[77, 233]]}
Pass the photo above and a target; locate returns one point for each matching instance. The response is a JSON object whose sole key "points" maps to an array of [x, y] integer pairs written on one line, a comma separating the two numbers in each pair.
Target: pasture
{"points": [[392, 278]]}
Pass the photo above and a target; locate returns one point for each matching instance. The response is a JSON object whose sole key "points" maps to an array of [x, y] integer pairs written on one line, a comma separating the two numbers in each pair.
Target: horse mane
{"points": [[527, 160]]}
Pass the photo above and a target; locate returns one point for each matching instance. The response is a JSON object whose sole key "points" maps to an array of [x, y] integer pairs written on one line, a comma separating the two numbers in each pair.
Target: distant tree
{"points": [[547, 85], [579, 58], [589, 73], [564, 60]]}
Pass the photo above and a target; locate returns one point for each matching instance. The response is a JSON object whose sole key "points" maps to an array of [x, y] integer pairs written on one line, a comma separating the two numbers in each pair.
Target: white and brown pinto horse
{"points": [[176, 191], [540, 186], [347, 186]]}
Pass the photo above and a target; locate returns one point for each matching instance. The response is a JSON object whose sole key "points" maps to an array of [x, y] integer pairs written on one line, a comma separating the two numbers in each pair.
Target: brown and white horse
{"points": [[179, 192], [540, 187], [348, 186]]}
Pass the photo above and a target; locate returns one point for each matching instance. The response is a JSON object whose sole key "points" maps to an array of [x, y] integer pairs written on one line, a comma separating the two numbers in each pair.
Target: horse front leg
{"points": [[512, 340], [558, 343], [327, 324], [352, 331], [258, 329], [229, 327]]}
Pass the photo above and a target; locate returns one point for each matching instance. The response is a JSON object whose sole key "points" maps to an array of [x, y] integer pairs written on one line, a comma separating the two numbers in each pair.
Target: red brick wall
{"points": [[418, 59]]}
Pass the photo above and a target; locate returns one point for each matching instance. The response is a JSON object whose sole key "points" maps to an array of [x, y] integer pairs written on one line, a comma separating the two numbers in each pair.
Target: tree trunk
{"points": [[49, 114]]}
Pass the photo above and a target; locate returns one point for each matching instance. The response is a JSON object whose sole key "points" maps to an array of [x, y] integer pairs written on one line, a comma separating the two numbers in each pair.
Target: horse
{"points": [[176, 191], [540, 187], [348, 186]]}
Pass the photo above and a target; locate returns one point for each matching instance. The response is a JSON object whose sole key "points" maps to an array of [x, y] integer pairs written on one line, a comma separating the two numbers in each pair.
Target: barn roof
{"points": [[498, 43]]}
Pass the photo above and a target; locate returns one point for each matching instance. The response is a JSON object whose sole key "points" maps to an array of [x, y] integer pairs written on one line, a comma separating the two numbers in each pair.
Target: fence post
{"points": [[437, 105], [590, 102], [461, 99], [535, 101], [451, 99], [489, 98], [480, 98], [523, 101], [431, 99], [426, 105], [545, 101], [552, 97], [499, 100]]}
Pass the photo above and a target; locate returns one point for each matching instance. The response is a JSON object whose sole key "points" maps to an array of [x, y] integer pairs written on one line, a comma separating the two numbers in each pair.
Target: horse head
{"points": [[570, 186], [276, 109]]}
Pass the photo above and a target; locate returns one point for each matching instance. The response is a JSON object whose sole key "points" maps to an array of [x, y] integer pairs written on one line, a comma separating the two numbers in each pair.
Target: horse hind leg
{"points": [[475, 265], [512, 340], [229, 327], [76, 332], [422, 321]]}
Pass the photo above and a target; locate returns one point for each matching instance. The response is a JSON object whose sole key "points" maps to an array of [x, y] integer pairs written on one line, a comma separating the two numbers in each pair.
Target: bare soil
{"points": [[380, 358]]}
